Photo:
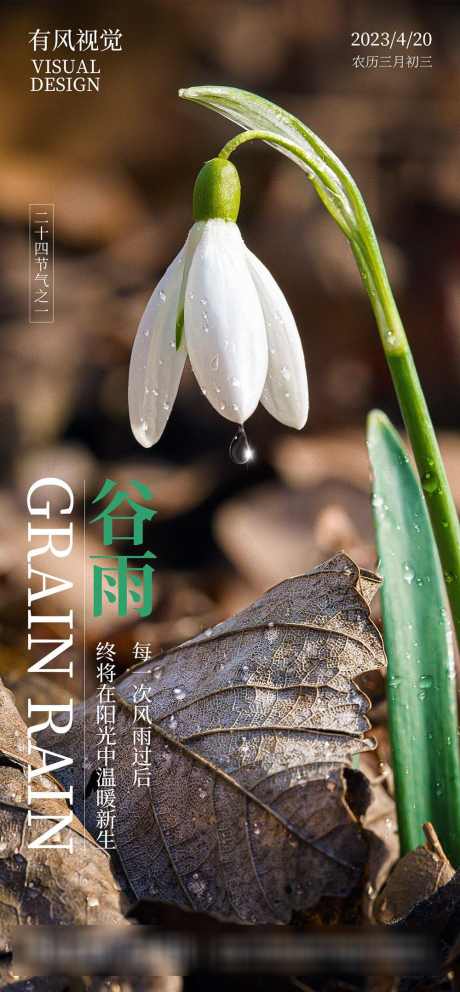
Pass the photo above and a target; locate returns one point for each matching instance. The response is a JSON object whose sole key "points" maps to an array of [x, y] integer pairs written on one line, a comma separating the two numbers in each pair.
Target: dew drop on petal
{"points": [[409, 574], [215, 363], [162, 296], [240, 450], [285, 373]]}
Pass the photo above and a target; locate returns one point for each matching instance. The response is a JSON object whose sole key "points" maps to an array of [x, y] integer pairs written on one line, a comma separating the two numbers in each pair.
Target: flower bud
{"points": [[217, 191]]}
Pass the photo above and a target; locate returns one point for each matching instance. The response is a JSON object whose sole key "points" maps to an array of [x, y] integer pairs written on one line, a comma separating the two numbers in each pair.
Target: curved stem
{"points": [[340, 194], [314, 169]]}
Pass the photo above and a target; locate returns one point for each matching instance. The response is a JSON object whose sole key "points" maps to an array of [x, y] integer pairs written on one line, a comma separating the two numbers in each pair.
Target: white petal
{"points": [[285, 394], [156, 366], [224, 323]]}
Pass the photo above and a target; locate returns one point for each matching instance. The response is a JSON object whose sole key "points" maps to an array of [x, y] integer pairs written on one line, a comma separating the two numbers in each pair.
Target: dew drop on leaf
{"points": [[409, 574]]}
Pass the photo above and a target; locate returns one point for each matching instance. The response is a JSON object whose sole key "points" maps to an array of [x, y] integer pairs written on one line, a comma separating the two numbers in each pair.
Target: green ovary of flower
{"points": [[217, 191]]}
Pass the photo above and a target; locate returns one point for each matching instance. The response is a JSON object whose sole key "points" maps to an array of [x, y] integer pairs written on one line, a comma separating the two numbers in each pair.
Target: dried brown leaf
{"points": [[42, 885], [415, 878], [381, 822], [253, 722]]}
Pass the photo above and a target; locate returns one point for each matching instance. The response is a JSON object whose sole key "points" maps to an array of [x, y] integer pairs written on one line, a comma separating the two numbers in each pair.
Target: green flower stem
{"points": [[345, 203], [317, 175]]}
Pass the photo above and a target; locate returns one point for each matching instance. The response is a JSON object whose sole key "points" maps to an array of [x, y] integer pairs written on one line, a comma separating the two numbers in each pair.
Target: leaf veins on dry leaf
{"points": [[44, 886], [252, 724]]}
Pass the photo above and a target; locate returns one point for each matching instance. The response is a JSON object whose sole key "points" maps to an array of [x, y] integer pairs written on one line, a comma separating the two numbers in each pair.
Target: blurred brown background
{"points": [[120, 168]]}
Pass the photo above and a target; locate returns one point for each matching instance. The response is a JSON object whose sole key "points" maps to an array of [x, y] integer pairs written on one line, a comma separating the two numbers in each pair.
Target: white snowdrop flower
{"points": [[219, 304]]}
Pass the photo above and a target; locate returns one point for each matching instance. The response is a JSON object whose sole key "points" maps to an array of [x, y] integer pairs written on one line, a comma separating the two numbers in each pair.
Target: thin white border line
{"points": [[53, 265], [51, 217]]}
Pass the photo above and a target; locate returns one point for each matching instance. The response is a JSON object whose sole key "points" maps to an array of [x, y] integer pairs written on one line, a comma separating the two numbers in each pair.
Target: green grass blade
{"points": [[421, 670]]}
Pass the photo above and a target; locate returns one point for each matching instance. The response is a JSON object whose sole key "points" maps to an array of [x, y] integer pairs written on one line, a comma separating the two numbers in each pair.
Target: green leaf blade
{"points": [[253, 112], [421, 669]]}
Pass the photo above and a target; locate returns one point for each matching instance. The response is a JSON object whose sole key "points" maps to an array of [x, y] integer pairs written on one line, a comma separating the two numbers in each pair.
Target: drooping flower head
{"points": [[218, 304]]}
